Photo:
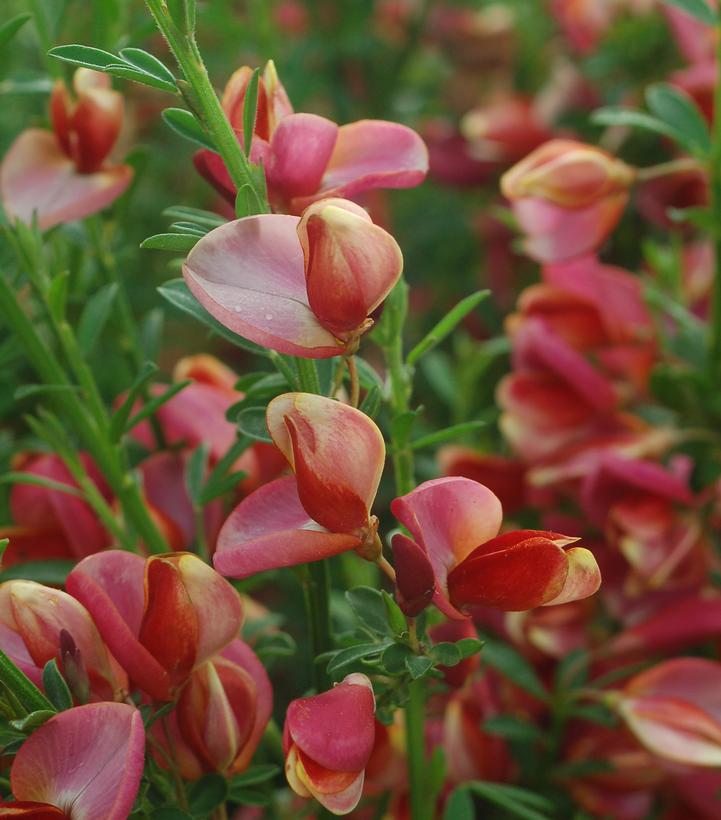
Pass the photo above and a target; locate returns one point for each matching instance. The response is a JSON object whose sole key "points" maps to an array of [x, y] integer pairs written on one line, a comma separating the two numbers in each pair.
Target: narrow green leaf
{"points": [[31, 698], [150, 407], [513, 728], [676, 108], [514, 798], [514, 666], [33, 720], [119, 419], [371, 402], [251, 423], [250, 106], [176, 242], [55, 686], [94, 316], [469, 647], [367, 375], [345, 657], [188, 228], [58, 295], [147, 63], [127, 72], [369, 607], [10, 29], [396, 619], [446, 325], [402, 425], [206, 794], [188, 126], [418, 665], [206, 219], [446, 434], [195, 471], [26, 390], [40, 481], [459, 805], [176, 292], [51, 571], [446, 653], [699, 9], [254, 775], [632, 118], [85, 56]]}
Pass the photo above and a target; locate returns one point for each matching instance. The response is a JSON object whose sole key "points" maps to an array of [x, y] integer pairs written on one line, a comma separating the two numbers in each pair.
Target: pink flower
{"points": [[455, 522], [307, 157], [161, 617], [83, 763], [328, 740], [63, 174], [300, 286], [567, 197], [337, 454]]}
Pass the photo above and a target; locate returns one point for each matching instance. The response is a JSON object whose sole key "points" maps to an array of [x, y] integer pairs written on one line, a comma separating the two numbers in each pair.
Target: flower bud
{"points": [[328, 740]]}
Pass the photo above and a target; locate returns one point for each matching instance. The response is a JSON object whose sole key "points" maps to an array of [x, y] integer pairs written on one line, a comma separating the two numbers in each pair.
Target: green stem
{"points": [[415, 749], [665, 169], [715, 187], [316, 589], [308, 376], [203, 99], [109, 459]]}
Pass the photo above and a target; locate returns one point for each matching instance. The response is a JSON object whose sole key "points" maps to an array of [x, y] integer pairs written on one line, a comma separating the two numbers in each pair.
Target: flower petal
{"points": [[373, 154], [449, 518], [583, 579], [270, 529], [300, 149], [520, 577], [336, 729], [36, 176], [337, 452], [249, 275], [87, 761]]}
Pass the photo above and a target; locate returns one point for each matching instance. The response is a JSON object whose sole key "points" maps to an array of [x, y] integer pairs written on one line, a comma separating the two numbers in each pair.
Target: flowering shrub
{"points": [[297, 522]]}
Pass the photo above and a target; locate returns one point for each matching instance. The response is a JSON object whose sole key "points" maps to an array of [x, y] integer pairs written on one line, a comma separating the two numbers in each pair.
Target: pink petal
{"points": [[449, 518], [37, 176], [270, 529], [239, 652], [372, 154], [87, 761], [249, 275], [583, 579], [336, 729], [300, 149], [337, 452], [111, 587]]}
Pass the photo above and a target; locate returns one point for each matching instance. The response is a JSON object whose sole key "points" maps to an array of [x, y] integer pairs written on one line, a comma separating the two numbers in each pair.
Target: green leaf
{"points": [[31, 698], [394, 658], [513, 728], [452, 432], [396, 618], [251, 423], [188, 228], [55, 687], [40, 481], [52, 571], [176, 292], [515, 667], [256, 774], [206, 219], [371, 402], [188, 126], [699, 9], [345, 657], [418, 665], [469, 647], [147, 63], [447, 325], [459, 805], [367, 375], [26, 390], [632, 118], [176, 242], [676, 108], [206, 794], [119, 419], [182, 13], [275, 645], [33, 720], [57, 296], [445, 654], [195, 472], [85, 56], [94, 316], [10, 29], [517, 802], [402, 425], [250, 109], [128, 72], [370, 608], [151, 406]]}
